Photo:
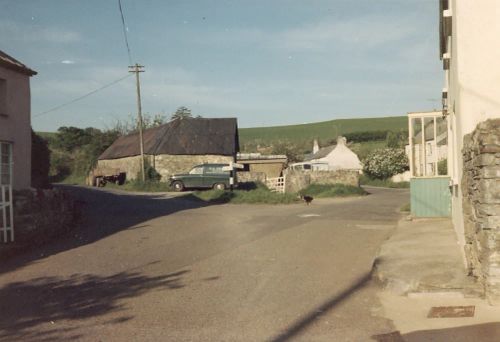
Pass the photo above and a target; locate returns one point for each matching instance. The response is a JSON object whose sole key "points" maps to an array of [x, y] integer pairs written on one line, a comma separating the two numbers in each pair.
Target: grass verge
{"points": [[332, 190], [385, 183], [260, 195]]}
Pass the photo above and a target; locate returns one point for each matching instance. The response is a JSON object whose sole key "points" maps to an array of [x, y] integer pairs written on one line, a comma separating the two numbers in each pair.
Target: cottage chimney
{"points": [[341, 140], [315, 146]]}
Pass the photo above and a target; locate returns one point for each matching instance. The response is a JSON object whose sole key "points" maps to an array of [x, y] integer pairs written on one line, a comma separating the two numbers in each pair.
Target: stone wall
{"points": [[248, 176], [41, 214], [167, 165], [298, 180], [271, 170], [130, 165], [481, 205]]}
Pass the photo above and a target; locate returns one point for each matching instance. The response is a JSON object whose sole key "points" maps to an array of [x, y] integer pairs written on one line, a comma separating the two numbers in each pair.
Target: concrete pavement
{"points": [[420, 266]]}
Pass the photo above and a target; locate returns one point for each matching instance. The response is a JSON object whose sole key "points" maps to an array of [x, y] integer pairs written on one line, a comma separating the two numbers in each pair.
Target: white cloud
{"points": [[67, 61]]}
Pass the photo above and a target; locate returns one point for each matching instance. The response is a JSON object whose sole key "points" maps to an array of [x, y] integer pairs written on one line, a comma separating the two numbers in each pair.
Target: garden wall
{"points": [[40, 215], [481, 205], [298, 180]]}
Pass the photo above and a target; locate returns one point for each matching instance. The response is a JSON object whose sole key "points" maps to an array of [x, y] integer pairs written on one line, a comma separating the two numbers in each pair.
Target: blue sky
{"points": [[264, 62]]}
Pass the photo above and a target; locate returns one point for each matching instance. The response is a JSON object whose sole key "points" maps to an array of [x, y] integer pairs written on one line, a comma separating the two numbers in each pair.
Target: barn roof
{"points": [[189, 136]]}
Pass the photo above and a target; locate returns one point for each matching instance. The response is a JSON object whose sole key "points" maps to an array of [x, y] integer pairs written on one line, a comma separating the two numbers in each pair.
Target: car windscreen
{"points": [[196, 170]]}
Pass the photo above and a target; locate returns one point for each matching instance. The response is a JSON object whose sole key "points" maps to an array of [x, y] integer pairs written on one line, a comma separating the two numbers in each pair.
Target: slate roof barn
{"points": [[176, 146]]}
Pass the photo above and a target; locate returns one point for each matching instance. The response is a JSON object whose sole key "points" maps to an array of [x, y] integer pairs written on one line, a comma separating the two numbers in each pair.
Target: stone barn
{"points": [[174, 147]]}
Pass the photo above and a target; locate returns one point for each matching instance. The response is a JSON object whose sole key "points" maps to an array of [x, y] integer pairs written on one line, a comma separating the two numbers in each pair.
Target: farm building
{"points": [[260, 167], [335, 157], [175, 147]]}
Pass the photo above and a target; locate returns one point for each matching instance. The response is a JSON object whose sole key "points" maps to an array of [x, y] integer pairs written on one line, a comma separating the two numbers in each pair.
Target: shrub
{"points": [[385, 163], [40, 162]]}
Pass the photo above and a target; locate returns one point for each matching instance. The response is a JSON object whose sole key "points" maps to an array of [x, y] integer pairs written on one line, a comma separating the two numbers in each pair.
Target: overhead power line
{"points": [[125, 33], [82, 97]]}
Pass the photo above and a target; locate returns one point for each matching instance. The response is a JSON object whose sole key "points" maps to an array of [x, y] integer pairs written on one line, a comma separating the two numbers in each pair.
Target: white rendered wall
{"points": [[474, 80]]}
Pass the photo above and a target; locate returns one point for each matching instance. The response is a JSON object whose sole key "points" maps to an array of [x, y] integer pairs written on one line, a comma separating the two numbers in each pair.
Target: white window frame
{"points": [[9, 163], [421, 117]]}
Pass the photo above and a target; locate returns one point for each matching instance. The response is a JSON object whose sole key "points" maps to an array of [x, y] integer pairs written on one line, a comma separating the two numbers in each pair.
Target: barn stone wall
{"points": [[166, 165], [130, 165], [481, 205]]}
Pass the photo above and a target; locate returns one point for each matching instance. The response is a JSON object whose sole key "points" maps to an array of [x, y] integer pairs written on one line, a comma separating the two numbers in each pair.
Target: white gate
{"points": [[6, 214], [276, 184]]}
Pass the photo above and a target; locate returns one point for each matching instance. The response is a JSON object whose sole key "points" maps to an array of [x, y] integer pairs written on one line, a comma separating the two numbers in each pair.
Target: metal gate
{"points": [[6, 214], [276, 184]]}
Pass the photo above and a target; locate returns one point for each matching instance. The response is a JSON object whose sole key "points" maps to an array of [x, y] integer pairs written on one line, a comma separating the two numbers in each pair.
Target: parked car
{"points": [[202, 176]]}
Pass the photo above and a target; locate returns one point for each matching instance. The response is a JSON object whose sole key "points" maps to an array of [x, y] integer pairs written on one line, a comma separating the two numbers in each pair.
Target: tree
{"points": [[68, 138], [182, 113], [290, 150], [40, 162], [396, 139]]}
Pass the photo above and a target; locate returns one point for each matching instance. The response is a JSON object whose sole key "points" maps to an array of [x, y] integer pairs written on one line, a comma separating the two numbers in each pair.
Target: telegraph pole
{"points": [[137, 69]]}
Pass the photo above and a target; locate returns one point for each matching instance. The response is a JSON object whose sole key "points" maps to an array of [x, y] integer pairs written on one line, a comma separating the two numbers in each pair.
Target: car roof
{"points": [[211, 164]]}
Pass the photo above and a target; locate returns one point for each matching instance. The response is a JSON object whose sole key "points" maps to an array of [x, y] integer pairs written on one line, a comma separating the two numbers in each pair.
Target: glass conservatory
{"points": [[428, 155]]}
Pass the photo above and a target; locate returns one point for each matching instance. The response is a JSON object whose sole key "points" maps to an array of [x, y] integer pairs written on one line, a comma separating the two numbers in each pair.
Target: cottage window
{"points": [[5, 163]]}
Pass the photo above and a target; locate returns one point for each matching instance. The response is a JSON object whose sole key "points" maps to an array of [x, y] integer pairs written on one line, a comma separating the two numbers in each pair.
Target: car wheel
{"points": [[178, 186], [220, 186]]}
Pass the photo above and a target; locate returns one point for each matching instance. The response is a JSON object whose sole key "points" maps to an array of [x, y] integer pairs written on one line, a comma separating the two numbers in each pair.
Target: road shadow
{"points": [[487, 332], [305, 321], [103, 213], [31, 311]]}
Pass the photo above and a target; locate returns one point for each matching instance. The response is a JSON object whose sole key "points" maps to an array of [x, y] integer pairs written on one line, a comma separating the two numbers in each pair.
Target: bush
{"points": [[385, 163], [40, 162], [396, 139], [365, 136]]}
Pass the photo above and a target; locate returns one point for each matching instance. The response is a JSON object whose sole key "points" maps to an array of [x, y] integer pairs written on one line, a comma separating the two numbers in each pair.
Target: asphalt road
{"points": [[157, 268]]}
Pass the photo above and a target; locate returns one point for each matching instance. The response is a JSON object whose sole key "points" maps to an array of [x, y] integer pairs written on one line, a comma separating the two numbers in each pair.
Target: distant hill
{"points": [[326, 130]]}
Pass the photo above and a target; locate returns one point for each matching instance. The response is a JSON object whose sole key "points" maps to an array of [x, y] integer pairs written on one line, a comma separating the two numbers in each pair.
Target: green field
{"points": [[323, 131]]}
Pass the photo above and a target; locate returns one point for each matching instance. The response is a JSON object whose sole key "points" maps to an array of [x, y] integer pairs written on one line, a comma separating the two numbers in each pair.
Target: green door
{"points": [[430, 197]]}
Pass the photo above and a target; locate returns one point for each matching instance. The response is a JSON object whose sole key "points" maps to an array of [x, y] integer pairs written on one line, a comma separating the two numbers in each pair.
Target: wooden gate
{"points": [[6, 214], [276, 184]]}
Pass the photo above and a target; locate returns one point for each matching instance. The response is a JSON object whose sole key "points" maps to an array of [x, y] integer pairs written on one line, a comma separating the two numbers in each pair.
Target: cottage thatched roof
{"points": [[189, 136]]}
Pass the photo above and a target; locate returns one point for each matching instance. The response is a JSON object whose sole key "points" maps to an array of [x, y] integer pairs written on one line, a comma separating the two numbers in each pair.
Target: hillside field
{"points": [[326, 130]]}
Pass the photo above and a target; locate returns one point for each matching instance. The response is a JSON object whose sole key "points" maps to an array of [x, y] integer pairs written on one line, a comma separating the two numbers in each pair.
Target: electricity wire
{"points": [[124, 27], [81, 97]]}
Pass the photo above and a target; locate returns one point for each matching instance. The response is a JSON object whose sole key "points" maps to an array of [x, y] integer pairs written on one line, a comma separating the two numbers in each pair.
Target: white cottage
{"points": [[335, 157]]}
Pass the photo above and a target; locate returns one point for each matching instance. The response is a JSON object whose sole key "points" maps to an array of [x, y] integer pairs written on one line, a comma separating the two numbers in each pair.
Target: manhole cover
{"points": [[394, 336], [451, 311]]}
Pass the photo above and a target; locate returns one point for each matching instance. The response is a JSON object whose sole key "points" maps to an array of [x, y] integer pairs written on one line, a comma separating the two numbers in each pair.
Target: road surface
{"points": [[159, 268]]}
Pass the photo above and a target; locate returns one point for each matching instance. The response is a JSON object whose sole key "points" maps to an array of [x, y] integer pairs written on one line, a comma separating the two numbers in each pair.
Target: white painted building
{"points": [[335, 157], [470, 51]]}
